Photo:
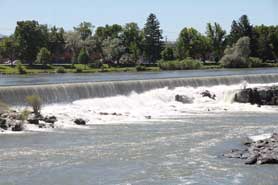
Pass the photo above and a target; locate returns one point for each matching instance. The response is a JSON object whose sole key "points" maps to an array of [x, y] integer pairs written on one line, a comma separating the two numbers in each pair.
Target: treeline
{"points": [[129, 45]]}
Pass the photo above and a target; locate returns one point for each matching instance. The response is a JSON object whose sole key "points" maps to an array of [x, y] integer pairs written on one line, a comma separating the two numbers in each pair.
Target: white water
{"points": [[158, 103]]}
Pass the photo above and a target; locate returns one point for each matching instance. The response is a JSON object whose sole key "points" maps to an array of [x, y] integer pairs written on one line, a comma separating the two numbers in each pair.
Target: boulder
{"points": [[208, 94], [3, 124], [264, 151], [259, 96], [18, 127], [80, 121], [32, 119], [50, 119], [183, 99]]}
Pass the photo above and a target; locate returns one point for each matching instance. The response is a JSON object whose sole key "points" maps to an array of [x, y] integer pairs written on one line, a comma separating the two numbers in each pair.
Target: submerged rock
{"points": [[264, 151], [80, 121], [183, 99]]}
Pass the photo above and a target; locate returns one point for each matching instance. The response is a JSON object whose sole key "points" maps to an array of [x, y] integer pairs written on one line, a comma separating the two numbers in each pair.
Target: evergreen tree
{"points": [[152, 39], [83, 57], [44, 56]]}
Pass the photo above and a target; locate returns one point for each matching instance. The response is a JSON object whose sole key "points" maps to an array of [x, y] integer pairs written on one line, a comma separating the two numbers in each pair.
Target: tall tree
{"points": [[56, 42], [31, 36], [217, 39], [132, 40], [243, 28], [192, 44], [152, 39], [9, 48], [85, 29], [74, 44]]}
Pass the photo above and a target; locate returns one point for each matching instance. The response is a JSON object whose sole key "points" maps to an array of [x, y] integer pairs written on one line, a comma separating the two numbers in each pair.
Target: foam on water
{"points": [[159, 104]]}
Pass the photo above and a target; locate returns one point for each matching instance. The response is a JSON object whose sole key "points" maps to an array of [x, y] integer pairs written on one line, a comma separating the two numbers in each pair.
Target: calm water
{"points": [[7, 80]]}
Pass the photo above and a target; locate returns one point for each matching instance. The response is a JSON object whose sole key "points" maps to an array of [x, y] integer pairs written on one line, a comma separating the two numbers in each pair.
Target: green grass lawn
{"points": [[37, 69]]}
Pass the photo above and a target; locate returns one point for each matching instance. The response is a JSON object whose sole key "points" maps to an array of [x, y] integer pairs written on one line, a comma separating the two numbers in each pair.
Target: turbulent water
{"points": [[180, 144]]}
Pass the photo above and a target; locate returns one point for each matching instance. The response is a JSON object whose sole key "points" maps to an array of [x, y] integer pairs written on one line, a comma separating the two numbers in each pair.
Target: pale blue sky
{"points": [[173, 14]]}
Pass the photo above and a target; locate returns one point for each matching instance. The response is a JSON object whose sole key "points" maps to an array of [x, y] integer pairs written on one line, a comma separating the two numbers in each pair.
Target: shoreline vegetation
{"points": [[37, 48]]}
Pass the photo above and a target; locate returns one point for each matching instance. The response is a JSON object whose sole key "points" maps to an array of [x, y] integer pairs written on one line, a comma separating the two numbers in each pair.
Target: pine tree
{"points": [[152, 39]]}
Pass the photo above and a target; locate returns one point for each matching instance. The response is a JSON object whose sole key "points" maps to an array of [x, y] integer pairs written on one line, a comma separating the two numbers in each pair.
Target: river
{"points": [[180, 144]]}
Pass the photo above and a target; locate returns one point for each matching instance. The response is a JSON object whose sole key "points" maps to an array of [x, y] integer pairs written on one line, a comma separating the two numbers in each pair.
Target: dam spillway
{"points": [[59, 93]]}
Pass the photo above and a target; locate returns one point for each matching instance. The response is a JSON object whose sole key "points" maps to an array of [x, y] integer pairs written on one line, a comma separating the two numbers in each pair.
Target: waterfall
{"points": [[55, 93]]}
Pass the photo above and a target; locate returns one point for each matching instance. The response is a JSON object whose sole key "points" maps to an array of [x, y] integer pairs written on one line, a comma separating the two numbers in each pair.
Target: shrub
{"points": [[180, 65], [237, 56], [24, 115], [20, 68], [167, 54], [61, 70], [104, 67], [140, 68], [78, 70], [35, 102], [234, 61], [256, 62]]}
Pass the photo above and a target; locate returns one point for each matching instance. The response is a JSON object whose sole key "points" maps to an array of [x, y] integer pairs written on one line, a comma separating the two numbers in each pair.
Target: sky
{"points": [[173, 15]]}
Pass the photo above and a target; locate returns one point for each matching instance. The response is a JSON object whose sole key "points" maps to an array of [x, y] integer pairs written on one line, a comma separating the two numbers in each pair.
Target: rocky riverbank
{"points": [[261, 151], [17, 121]]}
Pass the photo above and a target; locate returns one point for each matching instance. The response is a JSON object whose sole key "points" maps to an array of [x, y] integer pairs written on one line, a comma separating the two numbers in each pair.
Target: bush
{"points": [[24, 115], [234, 61], [95, 64], [78, 70], [35, 102], [180, 65], [61, 70], [256, 62], [140, 68], [20, 68], [104, 67]]}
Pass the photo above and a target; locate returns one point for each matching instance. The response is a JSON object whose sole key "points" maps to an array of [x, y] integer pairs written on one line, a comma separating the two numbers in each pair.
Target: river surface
{"points": [[10, 80], [181, 144]]}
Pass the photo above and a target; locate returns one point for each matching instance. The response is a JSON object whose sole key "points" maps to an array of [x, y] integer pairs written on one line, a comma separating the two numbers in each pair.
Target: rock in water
{"points": [[18, 127], [208, 94], [259, 96], [183, 99], [80, 121], [50, 119], [3, 124], [264, 151]]}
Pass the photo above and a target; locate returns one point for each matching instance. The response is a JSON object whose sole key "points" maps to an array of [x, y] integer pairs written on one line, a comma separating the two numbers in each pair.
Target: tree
{"points": [[243, 28], [56, 42], [85, 29], [237, 56], [31, 36], [83, 57], [132, 40], [192, 44], [152, 39], [113, 50], [43, 57], [9, 48], [217, 39], [74, 44], [167, 54]]}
